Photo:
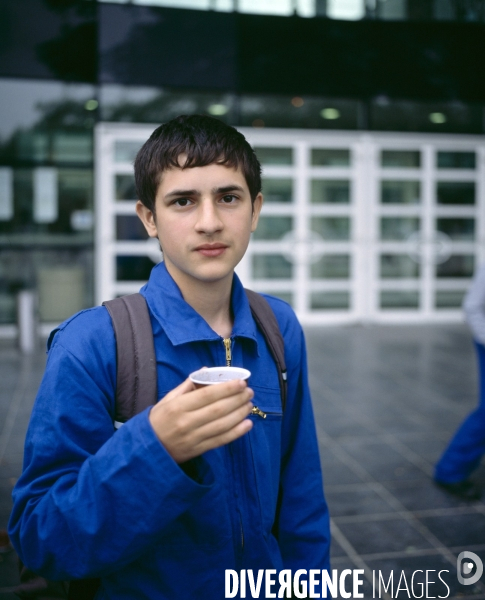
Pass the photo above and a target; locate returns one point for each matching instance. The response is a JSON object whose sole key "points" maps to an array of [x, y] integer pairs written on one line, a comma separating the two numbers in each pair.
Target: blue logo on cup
{"points": [[465, 564]]}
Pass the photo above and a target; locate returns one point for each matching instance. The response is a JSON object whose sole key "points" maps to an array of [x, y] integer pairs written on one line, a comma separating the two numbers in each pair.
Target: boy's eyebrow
{"points": [[227, 188], [220, 190]]}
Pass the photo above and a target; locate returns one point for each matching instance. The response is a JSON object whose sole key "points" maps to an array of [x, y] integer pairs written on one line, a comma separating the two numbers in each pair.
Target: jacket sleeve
{"points": [[302, 524], [474, 306], [91, 500]]}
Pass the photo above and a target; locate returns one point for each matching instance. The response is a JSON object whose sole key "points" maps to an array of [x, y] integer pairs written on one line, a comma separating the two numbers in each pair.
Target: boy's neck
{"points": [[212, 300]]}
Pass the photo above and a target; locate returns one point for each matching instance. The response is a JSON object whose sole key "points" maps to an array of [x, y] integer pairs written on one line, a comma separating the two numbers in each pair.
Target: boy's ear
{"points": [[257, 205], [147, 218]]}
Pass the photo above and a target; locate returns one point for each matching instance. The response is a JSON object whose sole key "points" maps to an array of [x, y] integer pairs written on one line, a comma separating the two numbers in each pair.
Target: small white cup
{"points": [[214, 375]]}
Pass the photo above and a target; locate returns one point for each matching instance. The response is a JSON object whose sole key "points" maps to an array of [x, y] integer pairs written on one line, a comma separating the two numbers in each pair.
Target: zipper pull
{"points": [[227, 345], [257, 411]]}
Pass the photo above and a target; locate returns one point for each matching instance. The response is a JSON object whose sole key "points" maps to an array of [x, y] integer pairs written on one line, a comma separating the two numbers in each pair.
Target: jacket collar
{"points": [[181, 322]]}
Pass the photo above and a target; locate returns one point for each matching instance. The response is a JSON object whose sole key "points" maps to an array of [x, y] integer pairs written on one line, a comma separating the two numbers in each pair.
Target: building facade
{"points": [[368, 119]]}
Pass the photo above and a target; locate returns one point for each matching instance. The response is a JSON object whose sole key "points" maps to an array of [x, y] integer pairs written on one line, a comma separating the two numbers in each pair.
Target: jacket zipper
{"points": [[227, 345]]}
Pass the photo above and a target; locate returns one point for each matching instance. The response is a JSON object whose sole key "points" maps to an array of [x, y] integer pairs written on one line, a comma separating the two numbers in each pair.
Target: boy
{"points": [[204, 481]]}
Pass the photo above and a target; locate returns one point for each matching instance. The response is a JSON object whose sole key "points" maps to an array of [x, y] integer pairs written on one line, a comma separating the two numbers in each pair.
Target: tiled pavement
{"points": [[386, 401]]}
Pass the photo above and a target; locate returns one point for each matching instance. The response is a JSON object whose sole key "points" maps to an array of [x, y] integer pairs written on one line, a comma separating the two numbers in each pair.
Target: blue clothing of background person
{"points": [[467, 447], [202, 481]]}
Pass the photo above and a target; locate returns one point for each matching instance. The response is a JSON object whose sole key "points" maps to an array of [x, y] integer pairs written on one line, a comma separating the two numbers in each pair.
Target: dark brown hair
{"points": [[205, 141]]}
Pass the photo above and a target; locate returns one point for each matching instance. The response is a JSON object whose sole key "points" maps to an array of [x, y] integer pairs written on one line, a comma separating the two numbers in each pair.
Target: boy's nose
{"points": [[208, 219]]}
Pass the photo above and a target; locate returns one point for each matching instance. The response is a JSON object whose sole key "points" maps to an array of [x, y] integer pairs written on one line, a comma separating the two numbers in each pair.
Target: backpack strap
{"points": [[136, 371], [265, 319]]}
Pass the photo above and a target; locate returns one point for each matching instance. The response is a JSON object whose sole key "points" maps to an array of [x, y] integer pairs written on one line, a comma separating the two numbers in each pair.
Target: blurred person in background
{"points": [[467, 447]]}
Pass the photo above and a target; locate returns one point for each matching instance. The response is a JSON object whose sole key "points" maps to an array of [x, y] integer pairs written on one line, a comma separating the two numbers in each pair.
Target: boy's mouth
{"points": [[211, 249]]}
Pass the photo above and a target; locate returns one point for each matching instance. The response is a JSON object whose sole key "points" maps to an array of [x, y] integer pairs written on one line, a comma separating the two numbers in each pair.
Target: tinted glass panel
{"points": [[278, 190], [61, 275], [456, 160], [449, 298], [401, 158], [456, 266], [271, 266], [273, 228], [130, 228], [462, 230], [330, 191], [398, 228], [125, 187], [400, 192], [455, 192], [330, 300], [327, 157], [399, 299], [126, 151], [332, 266], [274, 156], [398, 266], [331, 228], [133, 268]]}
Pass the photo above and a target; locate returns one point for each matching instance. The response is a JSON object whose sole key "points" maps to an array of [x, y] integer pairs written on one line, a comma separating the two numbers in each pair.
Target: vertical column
{"points": [[301, 227], [428, 236]]}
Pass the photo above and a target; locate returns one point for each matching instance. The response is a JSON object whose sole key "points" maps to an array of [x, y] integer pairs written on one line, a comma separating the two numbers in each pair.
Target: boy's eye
{"points": [[182, 202], [228, 198]]}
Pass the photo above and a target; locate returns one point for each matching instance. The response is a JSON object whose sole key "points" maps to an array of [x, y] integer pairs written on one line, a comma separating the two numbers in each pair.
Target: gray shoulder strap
{"points": [[136, 383], [265, 319]]}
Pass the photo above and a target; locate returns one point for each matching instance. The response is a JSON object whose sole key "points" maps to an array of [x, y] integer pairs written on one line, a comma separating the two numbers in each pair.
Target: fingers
{"points": [[210, 394], [226, 418], [224, 438]]}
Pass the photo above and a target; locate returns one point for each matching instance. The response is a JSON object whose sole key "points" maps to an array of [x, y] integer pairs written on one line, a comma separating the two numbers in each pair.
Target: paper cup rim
{"points": [[193, 376]]}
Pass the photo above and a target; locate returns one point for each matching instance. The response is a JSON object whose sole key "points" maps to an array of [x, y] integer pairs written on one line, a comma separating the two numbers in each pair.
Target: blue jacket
{"points": [[92, 502]]}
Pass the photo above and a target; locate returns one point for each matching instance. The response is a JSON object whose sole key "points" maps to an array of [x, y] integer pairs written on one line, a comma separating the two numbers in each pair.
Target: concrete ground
{"points": [[386, 399]]}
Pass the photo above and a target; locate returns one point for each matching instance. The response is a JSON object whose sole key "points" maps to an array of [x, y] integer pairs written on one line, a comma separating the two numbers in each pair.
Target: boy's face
{"points": [[203, 220]]}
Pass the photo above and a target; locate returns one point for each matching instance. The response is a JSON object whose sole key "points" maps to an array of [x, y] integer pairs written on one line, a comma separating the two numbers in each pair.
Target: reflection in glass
{"points": [[274, 156], [130, 228], [400, 192], [330, 157], [456, 160], [461, 230], [398, 266], [281, 111], [332, 228], [271, 266], [126, 150], [125, 187], [456, 266], [449, 298], [398, 228], [278, 190], [455, 192], [407, 159], [330, 300], [133, 268], [331, 266], [273, 228], [73, 147], [139, 104], [330, 191], [391, 299]]}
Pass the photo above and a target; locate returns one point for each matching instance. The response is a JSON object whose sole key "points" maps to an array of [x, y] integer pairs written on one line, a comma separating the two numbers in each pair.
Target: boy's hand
{"points": [[190, 421]]}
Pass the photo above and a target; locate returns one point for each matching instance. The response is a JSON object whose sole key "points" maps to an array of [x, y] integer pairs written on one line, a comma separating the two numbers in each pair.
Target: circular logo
{"points": [[474, 562]]}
